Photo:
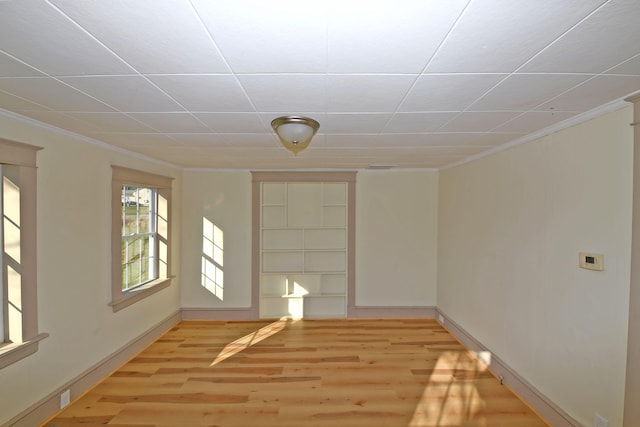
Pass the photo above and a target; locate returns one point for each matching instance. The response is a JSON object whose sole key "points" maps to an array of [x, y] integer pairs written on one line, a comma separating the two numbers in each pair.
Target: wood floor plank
{"points": [[347, 373]]}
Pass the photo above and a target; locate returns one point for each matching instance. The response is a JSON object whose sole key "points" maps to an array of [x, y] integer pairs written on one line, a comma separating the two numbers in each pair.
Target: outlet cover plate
{"points": [[600, 421], [65, 398]]}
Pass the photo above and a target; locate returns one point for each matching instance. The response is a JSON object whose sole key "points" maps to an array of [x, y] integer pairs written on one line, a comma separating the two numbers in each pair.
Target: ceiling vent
{"points": [[380, 166]]}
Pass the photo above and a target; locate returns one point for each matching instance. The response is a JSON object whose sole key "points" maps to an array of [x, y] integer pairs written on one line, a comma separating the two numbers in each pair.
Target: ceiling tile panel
{"points": [[478, 121], [482, 139], [522, 92], [201, 140], [442, 92], [358, 140], [367, 93], [52, 94], [489, 37], [608, 37], [204, 93], [36, 33], [629, 67], [171, 122], [372, 43], [137, 139], [152, 36], [534, 120], [293, 93], [355, 123], [418, 122], [61, 120], [233, 122], [112, 122], [10, 67], [252, 44], [124, 93], [16, 104], [479, 139], [256, 140], [593, 93]]}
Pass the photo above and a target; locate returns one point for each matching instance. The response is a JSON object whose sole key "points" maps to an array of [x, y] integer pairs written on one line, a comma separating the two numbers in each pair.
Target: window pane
{"points": [[138, 258], [139, 235], [138, 210], [144, 219]]}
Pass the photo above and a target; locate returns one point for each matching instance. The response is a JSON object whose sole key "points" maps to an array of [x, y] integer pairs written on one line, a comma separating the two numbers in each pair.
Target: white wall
{"points": [[510, 229], [396, 238], [224, 198], [74, 288]]}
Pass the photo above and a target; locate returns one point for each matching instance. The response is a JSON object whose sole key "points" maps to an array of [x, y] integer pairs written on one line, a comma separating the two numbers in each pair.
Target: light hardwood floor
{"points": [[401, 372]]}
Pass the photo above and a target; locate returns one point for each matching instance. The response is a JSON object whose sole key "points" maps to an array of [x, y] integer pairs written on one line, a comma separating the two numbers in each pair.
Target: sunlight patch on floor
{"points": [[248, 340], [451, 397]]}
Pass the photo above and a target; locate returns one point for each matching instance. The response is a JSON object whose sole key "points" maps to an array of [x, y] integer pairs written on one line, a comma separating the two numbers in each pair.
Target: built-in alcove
{"points": [[303, 244]]}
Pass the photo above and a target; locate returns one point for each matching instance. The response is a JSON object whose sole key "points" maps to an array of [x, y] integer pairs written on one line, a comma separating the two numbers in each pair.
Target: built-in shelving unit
{"points": [[303, 265]]}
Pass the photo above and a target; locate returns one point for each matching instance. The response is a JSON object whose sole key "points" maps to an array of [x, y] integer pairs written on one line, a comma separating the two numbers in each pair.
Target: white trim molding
{"points": [[390, 312], [194, 313]]}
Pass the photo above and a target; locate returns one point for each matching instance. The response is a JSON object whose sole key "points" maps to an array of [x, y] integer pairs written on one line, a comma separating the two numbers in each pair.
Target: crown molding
{"points": [[68, 134], [565, 124]]}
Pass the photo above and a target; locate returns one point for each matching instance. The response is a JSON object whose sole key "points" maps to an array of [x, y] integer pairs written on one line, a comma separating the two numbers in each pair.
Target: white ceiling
{"points": [[415, 84]]}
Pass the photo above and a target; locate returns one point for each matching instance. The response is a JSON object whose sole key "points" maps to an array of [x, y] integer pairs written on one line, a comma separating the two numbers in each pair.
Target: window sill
{"points": [[12, 353], [134, 295]]}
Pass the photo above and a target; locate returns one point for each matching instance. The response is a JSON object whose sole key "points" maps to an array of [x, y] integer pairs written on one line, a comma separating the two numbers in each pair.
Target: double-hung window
{"points": [[19, 335], [141, 204], [139, 236]]}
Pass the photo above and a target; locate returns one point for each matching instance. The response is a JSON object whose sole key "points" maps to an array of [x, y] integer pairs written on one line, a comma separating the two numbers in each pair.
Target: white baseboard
{"points": [[380, 312], [527, 392], [50, 405], [219, 314], [390, 312]]}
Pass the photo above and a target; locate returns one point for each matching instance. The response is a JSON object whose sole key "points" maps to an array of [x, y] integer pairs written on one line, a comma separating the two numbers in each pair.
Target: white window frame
{"points": [[23, 156], [121, 176]]}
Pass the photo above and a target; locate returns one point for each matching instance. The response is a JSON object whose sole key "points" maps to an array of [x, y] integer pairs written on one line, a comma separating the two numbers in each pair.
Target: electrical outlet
{"points": [[600, 421], [65, 398]]}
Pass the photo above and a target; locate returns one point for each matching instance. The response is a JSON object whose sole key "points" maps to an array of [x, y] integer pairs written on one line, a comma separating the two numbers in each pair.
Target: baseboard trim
{"points": [[387, 312], [357, 312], [49, 406], [219, 314], [526, 391]]}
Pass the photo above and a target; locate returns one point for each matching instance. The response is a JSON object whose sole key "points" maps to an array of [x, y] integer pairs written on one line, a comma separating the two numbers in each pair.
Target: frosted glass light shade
{"points": [[295, 132]]}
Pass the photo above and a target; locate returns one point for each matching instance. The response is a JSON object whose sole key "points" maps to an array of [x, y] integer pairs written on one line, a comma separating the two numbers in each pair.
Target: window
{"points": [[141, 204], [19, 335], [139, 236]]}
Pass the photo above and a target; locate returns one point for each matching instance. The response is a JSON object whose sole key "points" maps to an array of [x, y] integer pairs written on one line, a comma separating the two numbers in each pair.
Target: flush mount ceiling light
{"points": [[295, 132]]}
